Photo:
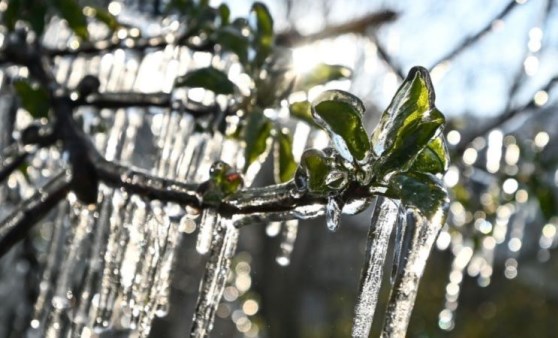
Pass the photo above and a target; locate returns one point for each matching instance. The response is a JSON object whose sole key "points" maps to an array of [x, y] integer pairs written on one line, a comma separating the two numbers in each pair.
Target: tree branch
{"points": [[15, 226], [501, 119], [474, 38], [293, 38], [11, 159]]}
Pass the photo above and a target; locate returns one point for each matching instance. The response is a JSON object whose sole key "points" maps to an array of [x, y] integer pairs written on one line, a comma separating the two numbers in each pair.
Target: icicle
{"points": [[462, 257], [212, 285], [59, 321], [111, 276], [95, 265], [383, 219], [333, 213], [423, 233], [401, 243], [209, 218], [54, 257], [289, 230]]}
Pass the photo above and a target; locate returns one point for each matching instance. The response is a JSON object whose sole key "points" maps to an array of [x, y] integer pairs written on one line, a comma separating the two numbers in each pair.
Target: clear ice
{"points": [[384, 218]]}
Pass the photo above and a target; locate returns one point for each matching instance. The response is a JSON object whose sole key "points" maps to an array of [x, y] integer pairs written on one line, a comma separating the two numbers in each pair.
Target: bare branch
{"points": [[474, 38], [501, 119], [15, 226], [293, 38]]}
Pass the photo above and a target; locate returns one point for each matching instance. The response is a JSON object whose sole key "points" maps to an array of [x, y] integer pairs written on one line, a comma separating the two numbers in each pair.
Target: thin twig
{"points": [[293, 38], [12, 157], [16, 226], [388, 60], [474, 38], [501, 119]]}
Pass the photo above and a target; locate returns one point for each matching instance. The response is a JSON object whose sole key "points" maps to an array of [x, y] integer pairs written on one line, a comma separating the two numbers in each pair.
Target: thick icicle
{"points": [[289, 230], [423, 233], [213, 283], [381, 225]]}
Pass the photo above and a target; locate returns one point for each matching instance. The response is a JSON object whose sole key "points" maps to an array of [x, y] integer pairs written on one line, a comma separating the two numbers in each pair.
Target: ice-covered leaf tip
{"points": [[408, 125], [340, 113]]}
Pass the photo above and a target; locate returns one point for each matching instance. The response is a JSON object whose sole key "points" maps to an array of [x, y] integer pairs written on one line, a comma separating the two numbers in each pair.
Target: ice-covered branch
{"points": [[15, 226]]}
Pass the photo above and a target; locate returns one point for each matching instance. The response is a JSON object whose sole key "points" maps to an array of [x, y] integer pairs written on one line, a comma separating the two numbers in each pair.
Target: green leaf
{"points": [[225, 14], [285, 165], [71, 11], [313, 171], [424, 192], [208, 78], [340, 114], [37, 16], [34, 99], [409, 123], [231, 38], [264, 32], [182, 6], [302, 110], [545, 196], [105, 17], [434, 158], [256, 135], [321, 74], [12, 13]]}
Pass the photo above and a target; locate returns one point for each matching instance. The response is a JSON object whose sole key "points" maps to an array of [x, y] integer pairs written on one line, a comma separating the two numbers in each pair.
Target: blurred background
{"points": [[493, 271], [494, 267]]}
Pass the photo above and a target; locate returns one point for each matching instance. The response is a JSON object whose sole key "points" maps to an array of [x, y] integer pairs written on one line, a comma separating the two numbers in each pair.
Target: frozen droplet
{"points": [[333, 213], [355, 206], [289, 231], [383, 219]]}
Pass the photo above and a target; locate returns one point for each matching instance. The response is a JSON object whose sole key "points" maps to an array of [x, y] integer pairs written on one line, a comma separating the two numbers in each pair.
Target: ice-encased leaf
{"points": [[434, 158], [312, 172], [208, 78], [256, 135], [284, 163], [340, 113], [383, 219], [409, 123], [321, 74]]}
